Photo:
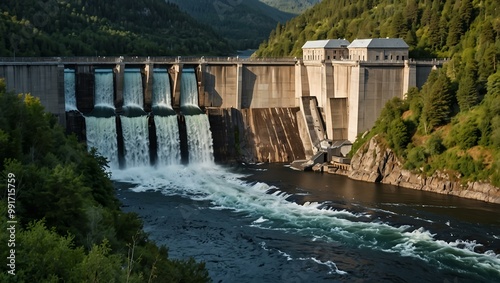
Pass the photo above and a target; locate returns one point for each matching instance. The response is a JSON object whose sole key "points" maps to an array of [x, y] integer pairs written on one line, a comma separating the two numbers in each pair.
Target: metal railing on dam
{"points": [[142, 60]]}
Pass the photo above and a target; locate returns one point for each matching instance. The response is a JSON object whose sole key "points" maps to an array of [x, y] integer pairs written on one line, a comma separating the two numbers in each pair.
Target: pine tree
{"points": [[467, 94], [437, 103]]}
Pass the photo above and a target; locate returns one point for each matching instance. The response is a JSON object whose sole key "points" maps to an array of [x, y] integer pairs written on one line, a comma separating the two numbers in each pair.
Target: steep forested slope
{"points": [[452, 125], [115, 27], [430, 27], [244, 23], [291, 6]]}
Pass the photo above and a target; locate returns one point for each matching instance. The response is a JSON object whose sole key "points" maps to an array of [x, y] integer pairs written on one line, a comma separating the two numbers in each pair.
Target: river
{"points": [[268, 223]]}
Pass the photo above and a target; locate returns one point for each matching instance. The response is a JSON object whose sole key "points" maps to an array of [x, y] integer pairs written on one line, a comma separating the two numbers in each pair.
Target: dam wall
{"points": [[43, 80], [256, 134], [260, 101]]}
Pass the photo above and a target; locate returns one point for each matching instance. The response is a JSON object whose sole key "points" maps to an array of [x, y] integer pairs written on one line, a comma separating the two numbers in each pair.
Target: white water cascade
{"points": [[69, 90], [200, 144], [132, 89], [101, 135], [167, 138], [161, 89], [189, 88], [136, 141], [104, 90]]}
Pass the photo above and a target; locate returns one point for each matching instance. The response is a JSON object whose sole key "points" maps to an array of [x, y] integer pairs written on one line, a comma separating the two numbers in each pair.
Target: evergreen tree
{"points": [[467, 94], [437, 103]]}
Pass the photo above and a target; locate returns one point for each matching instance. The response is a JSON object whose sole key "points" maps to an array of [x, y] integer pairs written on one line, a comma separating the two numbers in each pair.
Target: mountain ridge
{"points": [[115, 27]]}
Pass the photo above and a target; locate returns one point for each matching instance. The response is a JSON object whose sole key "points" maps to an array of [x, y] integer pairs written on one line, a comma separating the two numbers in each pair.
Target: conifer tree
{"points": [[437, 103]]}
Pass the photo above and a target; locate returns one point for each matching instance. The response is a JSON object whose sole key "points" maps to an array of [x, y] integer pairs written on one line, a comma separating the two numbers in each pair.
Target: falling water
{"points": [[189, 88], [101, 135], [167, 138], [136, 141], [104, 90], [161, 89], [69, 90], [132, 88], [200, 145]]}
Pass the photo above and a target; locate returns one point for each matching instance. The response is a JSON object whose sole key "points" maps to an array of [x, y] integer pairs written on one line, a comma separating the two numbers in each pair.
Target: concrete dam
{"points": [[142, 111]]}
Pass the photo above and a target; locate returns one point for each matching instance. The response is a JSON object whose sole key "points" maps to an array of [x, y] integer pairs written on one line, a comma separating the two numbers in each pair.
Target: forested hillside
{"points": [[432, 28], [115, 27], [452, 125], [244, 23], [291, 6], [68, 222]]}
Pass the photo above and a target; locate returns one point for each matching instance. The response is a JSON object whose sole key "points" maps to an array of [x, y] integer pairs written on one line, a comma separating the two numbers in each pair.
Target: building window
{"points": [[397, 57], [385, 57], [402, 57], [334, 57], [376, 57], [328, 57]]}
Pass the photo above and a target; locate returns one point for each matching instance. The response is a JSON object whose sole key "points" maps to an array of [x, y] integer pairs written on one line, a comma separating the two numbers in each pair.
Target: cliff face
{"points": [[374, 162]]}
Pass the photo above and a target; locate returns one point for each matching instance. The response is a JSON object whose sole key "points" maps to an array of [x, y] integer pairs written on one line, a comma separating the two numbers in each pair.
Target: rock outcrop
{"points": [[375, 162]]}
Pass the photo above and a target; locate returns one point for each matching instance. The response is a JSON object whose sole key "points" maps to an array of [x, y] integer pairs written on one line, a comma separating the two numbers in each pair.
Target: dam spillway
{"points": [[127, 136], [349, 95]]}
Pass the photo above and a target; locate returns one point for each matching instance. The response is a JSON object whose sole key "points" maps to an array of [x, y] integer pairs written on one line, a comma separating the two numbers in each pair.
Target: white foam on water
{"points": [[200, 144], [132, 89], [69, 90], [167, 140], [101, 135], [260, 220], [227, 190], [136, 141], [161, 89], [104, 90]]}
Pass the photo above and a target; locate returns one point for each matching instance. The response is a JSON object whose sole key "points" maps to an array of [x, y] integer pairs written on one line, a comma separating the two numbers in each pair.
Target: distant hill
{"points": [[291, 6], [244, 23], [112, 27]]}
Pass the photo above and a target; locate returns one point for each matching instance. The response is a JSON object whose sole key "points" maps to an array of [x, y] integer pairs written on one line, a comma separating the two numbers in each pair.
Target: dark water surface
{"points": [[272, 224]]}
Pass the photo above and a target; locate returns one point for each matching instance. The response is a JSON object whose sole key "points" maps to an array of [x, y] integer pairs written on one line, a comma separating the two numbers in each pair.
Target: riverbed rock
{"points": [[376, 162]]}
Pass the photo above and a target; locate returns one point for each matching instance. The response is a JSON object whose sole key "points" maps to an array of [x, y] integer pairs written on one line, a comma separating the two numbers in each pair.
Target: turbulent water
{"points": [[104, 91], [136, 141], [101, 135], [255, 224], [199, 137], [161, 88], [132, 88], [189, 88], [168, 142], [69, 90]]}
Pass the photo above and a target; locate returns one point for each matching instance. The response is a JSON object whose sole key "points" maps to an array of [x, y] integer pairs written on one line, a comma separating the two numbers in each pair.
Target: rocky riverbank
{"points": [[374, 162]]}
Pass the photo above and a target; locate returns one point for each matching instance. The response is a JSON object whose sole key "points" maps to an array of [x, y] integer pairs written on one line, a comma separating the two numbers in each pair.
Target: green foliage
{"points": [[90, 28], [398, 135], [464, 135], [71, 226], [244, 24], [435, 145], [431, 28], [467, 94], [416, 158], [437, 103]]}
